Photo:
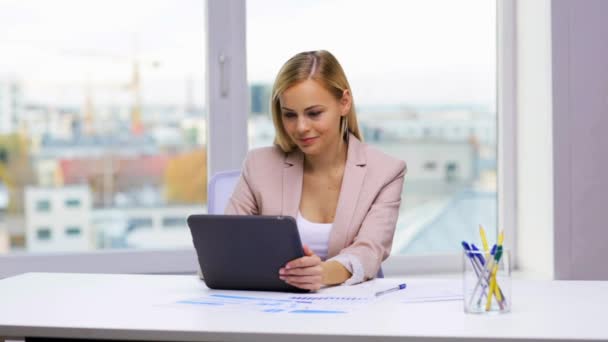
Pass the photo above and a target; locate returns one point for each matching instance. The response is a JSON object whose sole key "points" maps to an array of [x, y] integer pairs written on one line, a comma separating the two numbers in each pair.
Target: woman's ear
{"points": [[346, 102]]}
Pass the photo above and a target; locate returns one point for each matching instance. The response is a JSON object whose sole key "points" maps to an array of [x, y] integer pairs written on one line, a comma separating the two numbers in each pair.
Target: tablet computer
{"points": [[238, 252]]}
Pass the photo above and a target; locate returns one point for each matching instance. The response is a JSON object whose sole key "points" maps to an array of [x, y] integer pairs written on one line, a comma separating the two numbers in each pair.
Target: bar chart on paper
{"points": [[331, 300], [279, 302]]}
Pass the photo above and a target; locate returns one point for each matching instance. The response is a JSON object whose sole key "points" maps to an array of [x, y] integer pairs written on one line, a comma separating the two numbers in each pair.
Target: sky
{"points": [[419, 51], [393, 51], [58, 46]]}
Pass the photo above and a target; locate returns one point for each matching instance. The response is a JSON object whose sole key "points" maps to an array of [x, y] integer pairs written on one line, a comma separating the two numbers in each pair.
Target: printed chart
{"points": [[281, 303]]}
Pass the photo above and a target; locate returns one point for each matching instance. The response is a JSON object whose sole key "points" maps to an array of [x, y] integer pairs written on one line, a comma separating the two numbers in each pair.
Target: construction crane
{"points": [[134, 86]]}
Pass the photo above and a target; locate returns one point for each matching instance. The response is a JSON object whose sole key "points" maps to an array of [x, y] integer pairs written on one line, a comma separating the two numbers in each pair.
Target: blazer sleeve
{"points": [[373, 242], [242, 201]]}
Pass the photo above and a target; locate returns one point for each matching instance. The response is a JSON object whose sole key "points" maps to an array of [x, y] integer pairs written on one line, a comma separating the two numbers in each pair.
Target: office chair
{"points": [[221, 187]]}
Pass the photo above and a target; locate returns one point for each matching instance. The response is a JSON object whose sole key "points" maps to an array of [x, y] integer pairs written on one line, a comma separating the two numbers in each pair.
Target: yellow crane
{"points": [[134, 86]]}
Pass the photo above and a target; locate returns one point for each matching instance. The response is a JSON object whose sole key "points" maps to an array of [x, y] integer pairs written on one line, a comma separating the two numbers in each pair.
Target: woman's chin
{"points": [[309, 150]]}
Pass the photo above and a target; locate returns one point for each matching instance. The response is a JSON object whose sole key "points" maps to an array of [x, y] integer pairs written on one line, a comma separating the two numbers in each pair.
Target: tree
{"points": [[186, 178], [16, 170]]}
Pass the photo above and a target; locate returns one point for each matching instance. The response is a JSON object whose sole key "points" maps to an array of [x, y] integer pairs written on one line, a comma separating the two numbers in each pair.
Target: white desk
{"points": [[133, 307]]}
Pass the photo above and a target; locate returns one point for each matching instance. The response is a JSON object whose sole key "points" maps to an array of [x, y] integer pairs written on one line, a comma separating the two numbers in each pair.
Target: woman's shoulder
{"points": [[266, 153], [263, 158]]}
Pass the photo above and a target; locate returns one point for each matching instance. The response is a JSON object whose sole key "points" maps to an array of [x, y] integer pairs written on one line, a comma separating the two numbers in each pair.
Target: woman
{"points": [[344, 194]]}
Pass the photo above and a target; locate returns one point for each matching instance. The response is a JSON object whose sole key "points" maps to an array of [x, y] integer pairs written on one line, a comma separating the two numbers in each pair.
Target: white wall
{"points": [[534, 138], [562, 113], [580, 117]]}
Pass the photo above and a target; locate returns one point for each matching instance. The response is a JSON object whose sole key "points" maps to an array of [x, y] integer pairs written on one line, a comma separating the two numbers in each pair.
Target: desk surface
{"points": [[143, 307]]}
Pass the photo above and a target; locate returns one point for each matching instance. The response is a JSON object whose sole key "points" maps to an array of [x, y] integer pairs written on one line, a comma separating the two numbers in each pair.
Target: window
{"points": [[140, 223], [420, 66], [43, 234], [73, 231], [107, 97], [174, 222], [72, 203], [430, 165], [34, 60], [43, 205]]}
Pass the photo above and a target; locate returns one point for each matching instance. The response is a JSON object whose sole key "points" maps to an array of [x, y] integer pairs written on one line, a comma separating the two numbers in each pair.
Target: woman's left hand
{"points": [[305, 272]]}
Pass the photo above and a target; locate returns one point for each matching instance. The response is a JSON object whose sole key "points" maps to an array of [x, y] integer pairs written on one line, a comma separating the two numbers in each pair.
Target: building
{"points": [[143, 227], [260, 98], [11, 102], [161, 227], [432, 160], [58, 219]]}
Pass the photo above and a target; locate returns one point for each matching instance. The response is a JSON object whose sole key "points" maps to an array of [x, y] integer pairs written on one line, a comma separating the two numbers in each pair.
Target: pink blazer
{"points": [[368, 205]]}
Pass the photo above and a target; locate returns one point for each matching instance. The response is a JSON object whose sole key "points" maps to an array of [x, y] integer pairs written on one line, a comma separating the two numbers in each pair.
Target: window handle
{"points": [[224, 62]]}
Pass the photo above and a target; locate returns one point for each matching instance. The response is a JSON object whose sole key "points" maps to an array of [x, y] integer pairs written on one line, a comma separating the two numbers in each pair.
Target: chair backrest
{"points": [[221, 186]]}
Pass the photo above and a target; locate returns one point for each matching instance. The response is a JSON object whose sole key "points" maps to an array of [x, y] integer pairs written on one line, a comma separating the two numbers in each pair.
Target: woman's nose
{"points": [[302, 125]]}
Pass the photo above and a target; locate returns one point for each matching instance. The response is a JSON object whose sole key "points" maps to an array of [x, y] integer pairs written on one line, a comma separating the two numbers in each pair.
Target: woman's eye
{"points": [[313, 114], [289, 114]]}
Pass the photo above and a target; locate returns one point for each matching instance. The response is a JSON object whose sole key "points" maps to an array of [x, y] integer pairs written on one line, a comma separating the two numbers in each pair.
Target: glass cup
{"points": [[487, 281]]}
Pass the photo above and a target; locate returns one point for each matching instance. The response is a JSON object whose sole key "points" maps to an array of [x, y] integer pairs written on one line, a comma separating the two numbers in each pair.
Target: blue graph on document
{"points": [[309, 304]]}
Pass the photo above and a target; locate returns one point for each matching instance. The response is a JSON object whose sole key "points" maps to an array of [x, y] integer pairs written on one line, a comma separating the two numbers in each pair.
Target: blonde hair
{"points": [[320, 66]]}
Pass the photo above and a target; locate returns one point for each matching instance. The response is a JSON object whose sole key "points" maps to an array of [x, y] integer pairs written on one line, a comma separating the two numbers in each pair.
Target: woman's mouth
{"points": [[308, 141]]}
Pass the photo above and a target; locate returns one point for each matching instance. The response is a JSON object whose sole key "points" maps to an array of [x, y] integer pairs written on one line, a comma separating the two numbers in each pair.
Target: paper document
{"points": [[330, 300], [431, 291], [313, 303]]}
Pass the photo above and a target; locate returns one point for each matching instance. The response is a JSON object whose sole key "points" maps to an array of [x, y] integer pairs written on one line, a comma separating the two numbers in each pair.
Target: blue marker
{"points": [[392, 289]]}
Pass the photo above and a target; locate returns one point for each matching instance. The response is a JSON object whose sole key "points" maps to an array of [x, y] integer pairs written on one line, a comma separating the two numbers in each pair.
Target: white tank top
{"points": [[315, 235]]}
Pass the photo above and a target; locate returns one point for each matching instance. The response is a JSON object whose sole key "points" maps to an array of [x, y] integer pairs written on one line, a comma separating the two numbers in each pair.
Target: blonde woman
{"points": [[344, 194]]}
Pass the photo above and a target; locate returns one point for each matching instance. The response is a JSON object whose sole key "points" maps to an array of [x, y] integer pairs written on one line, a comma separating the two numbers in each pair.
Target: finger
{"points": [[307, 250], [306, 286], [306, 261], [312, 288], [314, 270], [302, 279]]}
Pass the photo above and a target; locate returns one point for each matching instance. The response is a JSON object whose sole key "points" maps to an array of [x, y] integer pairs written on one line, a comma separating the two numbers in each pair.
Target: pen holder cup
{"points": [[487, 278]]}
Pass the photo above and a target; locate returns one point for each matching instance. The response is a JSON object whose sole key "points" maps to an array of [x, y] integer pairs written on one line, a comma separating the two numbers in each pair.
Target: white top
{"points": [[143, 307], [316, 237]]}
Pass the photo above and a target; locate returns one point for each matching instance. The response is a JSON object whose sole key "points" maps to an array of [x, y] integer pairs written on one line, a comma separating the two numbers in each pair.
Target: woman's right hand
{"points": [[305, 272]]}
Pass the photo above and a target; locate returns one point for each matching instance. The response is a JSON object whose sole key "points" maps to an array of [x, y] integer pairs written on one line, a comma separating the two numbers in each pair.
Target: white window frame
{"points": [[227, 108]]}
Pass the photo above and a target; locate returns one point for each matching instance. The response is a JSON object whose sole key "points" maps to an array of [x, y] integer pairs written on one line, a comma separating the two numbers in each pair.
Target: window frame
{"points": [[227, 108]]}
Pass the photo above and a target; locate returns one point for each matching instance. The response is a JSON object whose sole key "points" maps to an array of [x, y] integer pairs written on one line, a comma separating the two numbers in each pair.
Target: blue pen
{"points": [[478, 268], [478, 255], [493, 249], [466, 247], [392, 289]]}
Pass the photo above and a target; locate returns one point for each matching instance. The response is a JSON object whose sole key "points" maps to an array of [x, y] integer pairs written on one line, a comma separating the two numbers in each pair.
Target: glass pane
{"points": [[102, 127], [423, 79]]}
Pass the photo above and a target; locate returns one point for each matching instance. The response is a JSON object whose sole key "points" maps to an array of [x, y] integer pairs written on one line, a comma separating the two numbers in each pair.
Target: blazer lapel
{"points": [[293, 173], [352, 181]]}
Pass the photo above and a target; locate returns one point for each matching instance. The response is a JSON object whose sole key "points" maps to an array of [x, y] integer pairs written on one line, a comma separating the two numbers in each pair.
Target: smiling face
{"points": [[311, 116]]}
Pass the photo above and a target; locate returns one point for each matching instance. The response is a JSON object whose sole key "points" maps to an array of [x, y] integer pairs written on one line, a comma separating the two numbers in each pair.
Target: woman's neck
{"points": [[329, 160]]}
